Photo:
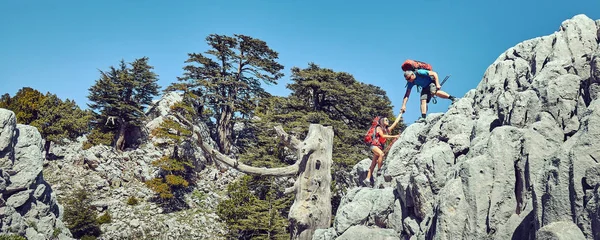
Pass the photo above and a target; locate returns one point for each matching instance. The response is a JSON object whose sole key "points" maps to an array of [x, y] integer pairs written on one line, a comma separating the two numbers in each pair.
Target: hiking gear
{"points": [[410, 65], [371, 137], [371, 134], [445, 79], [367, 183], [421, 120], [441, 84], [422, 79]]}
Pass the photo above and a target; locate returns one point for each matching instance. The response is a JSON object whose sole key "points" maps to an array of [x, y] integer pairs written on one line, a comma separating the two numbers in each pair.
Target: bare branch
{"points": [[289, 140], [284, 171], [290, 190]]}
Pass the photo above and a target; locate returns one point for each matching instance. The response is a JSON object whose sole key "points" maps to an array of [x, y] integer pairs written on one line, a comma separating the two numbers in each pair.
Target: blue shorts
{"points": [[376, 146]]}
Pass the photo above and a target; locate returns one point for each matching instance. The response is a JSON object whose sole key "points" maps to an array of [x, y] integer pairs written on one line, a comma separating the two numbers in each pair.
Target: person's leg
{"points": [[440, 93], [373, 162], [425, 97], [379, 157]]}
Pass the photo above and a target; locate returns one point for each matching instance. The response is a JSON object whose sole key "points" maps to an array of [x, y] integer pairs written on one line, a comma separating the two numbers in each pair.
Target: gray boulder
{"points": [[28, 206]]}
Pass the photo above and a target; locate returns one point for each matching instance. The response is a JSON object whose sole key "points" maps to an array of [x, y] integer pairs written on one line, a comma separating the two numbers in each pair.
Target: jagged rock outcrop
{"points": [[28, 205], [515, 158]]}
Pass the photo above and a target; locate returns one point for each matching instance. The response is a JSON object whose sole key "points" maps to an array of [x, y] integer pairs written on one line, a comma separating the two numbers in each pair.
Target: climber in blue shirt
{"points": [[430, 84]]}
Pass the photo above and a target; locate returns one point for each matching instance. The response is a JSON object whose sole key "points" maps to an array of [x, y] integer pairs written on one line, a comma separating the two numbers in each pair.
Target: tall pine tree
{"points": [[121, 95], [229, 75]]}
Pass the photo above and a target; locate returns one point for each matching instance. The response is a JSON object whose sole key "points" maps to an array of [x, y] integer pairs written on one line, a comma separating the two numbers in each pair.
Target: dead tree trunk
{"points": [[311, 209]]}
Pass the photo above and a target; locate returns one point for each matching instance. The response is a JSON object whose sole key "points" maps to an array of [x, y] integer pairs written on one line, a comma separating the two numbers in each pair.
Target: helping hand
{"points": [[403, 109]]}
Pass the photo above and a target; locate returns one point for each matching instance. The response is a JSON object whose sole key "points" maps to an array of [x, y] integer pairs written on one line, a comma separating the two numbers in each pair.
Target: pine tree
{"points": [[177, 169], [80, 217], [259, 213], [26, 104], [5, 101], [55, 119], [231, 80], [58, 120], [120, 97]]}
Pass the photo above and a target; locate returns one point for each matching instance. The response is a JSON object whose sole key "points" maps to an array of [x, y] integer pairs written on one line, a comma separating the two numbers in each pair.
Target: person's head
{"points": [[384, 122], [409, 76]]}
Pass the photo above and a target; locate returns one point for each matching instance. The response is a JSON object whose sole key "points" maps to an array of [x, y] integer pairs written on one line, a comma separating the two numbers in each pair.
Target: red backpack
{"points": [[370, 136], [411, 65]]}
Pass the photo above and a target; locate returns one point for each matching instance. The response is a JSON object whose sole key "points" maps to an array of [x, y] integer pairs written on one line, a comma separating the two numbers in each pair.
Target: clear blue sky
{"points": [[58, 46]]}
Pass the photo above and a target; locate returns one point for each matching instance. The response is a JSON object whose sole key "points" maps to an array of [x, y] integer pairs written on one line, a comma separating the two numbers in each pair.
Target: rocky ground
{"points": [[112, 178]]}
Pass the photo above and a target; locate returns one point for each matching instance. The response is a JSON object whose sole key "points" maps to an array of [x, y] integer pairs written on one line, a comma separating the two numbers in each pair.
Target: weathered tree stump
{"points": [[311, 209]]}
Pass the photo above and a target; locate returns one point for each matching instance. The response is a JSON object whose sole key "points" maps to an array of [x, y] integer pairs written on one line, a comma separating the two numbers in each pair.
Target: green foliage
{"points": [[132, 200], [105, 218], [230, 81], [12, 237], [58, 120], [56, 232], [26, 104], [5, 101], [258, 214], [120, 96], [98, 137], [79, 215], [176, 170], [54, 118]]}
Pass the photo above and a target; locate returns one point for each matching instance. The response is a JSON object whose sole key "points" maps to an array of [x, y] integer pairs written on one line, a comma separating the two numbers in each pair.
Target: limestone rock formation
{"points": [[28, 205], [515, 158]]}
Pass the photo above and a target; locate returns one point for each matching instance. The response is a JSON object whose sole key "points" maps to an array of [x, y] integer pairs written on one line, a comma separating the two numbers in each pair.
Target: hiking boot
{"points": [[454, 100], [421, 120], [379, 172], [366, 183]]}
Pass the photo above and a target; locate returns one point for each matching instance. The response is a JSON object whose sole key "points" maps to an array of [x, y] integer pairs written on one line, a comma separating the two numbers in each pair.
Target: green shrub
{"points": [[132, 201], [12, 237], [97, 137], [105, 218], [79, 215], [56, 232]]}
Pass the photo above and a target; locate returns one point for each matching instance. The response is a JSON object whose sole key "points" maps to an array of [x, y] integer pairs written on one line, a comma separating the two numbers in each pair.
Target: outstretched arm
{"points": [[380, 132], [396, 122], [406, 95]]}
